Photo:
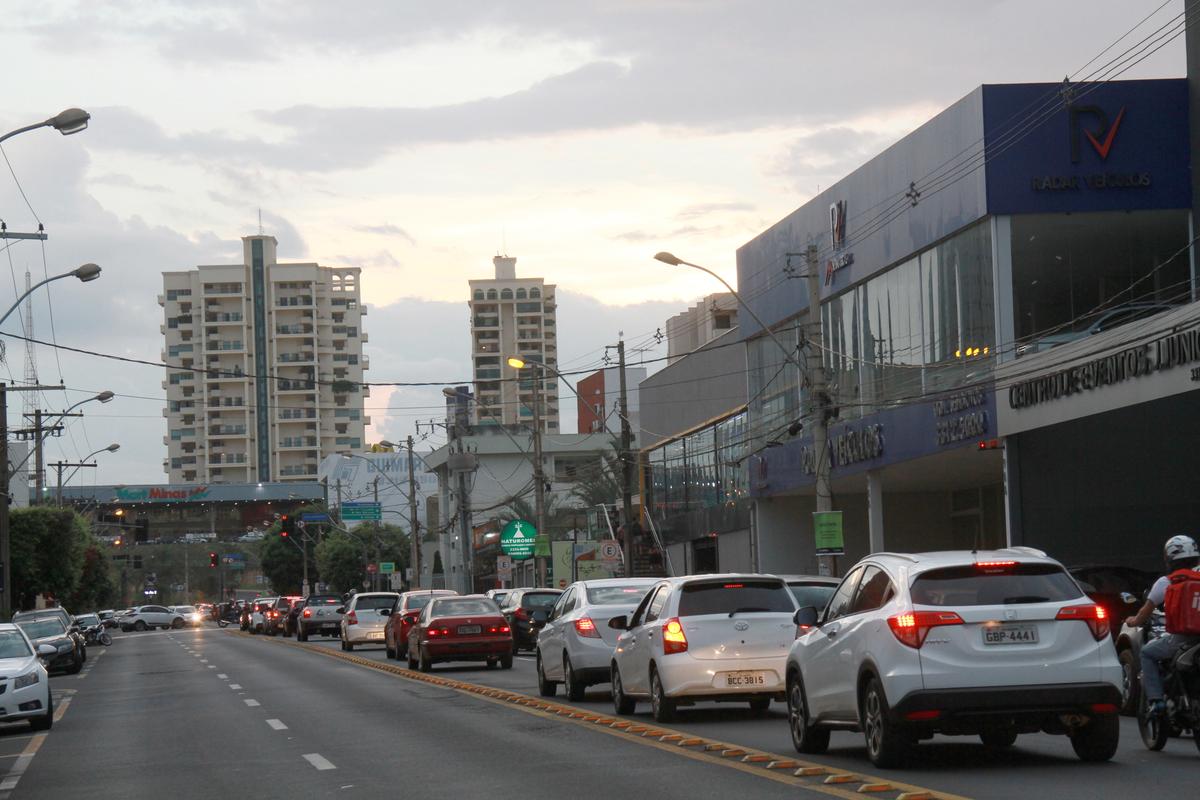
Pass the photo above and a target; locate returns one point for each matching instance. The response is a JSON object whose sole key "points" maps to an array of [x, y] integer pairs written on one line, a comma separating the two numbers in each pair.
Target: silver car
{"points": [[575, 646], [362, 622]]}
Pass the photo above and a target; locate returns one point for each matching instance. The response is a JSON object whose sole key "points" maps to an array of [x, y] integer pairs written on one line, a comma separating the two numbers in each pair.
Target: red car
{"points": [[402, 617], [467, 628]]}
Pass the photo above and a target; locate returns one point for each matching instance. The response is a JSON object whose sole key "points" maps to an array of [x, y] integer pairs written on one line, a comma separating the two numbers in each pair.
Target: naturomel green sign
{"points": [[517, 539]]}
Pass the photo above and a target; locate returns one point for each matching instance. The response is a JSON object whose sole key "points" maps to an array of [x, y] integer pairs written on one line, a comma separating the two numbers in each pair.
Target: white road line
{"points": [[204, 661], [235, 686], [319, 761], [222, 675], [212, 666], [277, 724], [252, 703]]}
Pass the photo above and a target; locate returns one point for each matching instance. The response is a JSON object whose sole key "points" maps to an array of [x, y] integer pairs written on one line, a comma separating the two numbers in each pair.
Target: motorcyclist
{"points": [[1180, 552]]}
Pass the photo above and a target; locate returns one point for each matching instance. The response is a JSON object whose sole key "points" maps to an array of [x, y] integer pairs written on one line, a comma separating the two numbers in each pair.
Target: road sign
{"points": [[827, 533], [517, 538], [314, 517], [610, 550], [387, 567], [362, 512], [541, 547], [301, 524], [504, 566], [372, 568]]}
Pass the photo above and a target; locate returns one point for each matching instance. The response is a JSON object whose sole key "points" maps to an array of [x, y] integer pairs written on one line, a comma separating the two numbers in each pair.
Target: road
{"points": [[214, 713]]}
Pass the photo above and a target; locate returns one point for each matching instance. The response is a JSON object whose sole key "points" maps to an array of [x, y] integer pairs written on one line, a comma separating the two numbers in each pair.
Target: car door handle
{"points": [[832, 631]]}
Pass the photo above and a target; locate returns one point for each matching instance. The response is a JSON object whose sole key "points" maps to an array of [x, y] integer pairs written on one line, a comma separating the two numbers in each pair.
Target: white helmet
{"points": [[1180, 547]]}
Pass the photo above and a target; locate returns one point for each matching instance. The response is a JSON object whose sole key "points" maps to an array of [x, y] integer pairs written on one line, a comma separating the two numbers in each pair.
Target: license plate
{"points": [[742, 680], [375, 635], [468, 630], [1010, 634]]}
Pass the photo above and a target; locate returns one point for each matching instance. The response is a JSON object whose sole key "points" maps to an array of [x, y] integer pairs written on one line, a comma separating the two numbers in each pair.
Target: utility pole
{"points": [[464, 517], [187, 583], [377, 577], [37, 434], [627, 472], [818, 393], [414, 543], [59, 466], [539, 479]]}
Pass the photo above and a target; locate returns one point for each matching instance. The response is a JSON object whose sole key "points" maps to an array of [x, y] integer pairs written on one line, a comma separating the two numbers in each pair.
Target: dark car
{"points": [[811, 590], [526, 611], [469, 628], [275, 618], [293, 616], [49, 630], [68, 622], [321, 616], [1119, 589]]}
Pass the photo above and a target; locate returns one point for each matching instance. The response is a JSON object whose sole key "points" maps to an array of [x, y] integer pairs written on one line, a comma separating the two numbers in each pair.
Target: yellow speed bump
{"points": [[843, 777], [810, 772], [872, 788]]}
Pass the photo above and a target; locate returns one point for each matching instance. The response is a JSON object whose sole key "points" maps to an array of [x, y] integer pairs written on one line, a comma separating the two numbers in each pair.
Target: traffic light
{"points": [[287, 525], [212, 559]]}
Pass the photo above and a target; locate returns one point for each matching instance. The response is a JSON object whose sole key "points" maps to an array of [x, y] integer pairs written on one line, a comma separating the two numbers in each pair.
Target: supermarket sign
{"points": [[160, 494]]}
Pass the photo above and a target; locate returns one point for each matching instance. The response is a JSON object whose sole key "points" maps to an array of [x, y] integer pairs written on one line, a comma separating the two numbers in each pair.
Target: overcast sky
{"points": [[418, 139]]}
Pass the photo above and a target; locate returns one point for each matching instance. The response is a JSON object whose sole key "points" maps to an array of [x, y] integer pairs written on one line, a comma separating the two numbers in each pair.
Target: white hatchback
{"points": [[720, 638], [365, 616], [992, 644]]}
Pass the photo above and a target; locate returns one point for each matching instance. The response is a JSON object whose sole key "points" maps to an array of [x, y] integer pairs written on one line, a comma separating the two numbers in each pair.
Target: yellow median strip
{"points": [[807, 775]]}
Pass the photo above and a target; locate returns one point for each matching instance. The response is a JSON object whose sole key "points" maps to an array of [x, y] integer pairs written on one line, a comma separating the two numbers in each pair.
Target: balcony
{"points": [[227, 430], [296, 358], [299, 301], [298, 443], [288, 414], [286, 385], [298, 329], [218, 345], [222, 289], [223, 318], [298, 471], [486, 322], [228, 458], [226, 402]]}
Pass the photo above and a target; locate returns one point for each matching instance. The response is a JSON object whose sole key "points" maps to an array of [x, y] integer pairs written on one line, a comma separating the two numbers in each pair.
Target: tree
{"points": [[282, 563], [47, 547], [602, 483], [96, 588], [340, 561]]}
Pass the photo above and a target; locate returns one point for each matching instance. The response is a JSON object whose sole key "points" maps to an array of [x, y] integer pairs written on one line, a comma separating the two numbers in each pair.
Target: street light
{"points": [[72, 120], [112, 448], [86, 273]]}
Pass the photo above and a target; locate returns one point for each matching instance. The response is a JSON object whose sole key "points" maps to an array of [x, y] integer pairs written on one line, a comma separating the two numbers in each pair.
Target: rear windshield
{"points": [[811, 594], [616, 595], [540, 600], [979, 586], [87, 620], [458, 607], [324, 600], [374, 601], [42, 628], [420, 601], [731, 597], [283, 602]]}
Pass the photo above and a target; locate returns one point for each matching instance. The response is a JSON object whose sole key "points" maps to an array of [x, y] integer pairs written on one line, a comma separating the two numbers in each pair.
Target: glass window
{"points": [[732, 449], [615, 595], [478, 294], [974, 586], [535, 293], [701, 469], [773, 384], [875, 590], [539, 600], [657, 602], [730, 597], [842, 351], [506, 294], [12, 645], [812, 594], [369, 602], [491, 295], [839, 604], [892, 343], [520, 294]]}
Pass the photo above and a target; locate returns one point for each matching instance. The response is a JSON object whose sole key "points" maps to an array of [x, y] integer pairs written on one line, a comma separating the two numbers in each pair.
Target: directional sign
{"points": [[312, 516], [387, 567], [517, 538], [368, 512]]}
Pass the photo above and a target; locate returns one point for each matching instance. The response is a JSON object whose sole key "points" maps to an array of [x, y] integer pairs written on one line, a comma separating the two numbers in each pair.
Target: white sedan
{"points": [[575, 646], [27, 695]]}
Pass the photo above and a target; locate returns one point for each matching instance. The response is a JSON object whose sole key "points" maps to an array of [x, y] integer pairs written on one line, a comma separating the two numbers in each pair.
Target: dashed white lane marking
{"points": [[277, 724], [18, 769], [204, 661], [212, 666], [222, 675], [319, 761], [235, 686], [252, 703]]}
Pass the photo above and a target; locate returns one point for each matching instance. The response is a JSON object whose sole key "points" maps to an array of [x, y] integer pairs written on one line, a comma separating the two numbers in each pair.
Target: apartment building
{"points": [[690, 330], [513, 316], [266, 366]]}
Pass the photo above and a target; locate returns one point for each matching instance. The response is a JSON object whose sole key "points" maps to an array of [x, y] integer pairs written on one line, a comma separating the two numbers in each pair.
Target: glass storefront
{"points": [[704, 469]]}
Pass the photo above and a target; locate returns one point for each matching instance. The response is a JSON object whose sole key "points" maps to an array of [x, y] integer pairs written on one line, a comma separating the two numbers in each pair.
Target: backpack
{"points": [[1182, 603]]}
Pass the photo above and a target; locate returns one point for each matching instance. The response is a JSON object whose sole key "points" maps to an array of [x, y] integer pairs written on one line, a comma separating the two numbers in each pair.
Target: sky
{"points": [[417, 140]]}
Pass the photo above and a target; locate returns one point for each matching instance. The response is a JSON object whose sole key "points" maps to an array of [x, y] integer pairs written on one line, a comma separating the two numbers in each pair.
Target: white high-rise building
{"points": [[267, 366], [513, 316]]}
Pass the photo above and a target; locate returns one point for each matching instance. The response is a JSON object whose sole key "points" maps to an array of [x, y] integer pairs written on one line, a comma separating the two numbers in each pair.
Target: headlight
{"points": [[28, 679]]}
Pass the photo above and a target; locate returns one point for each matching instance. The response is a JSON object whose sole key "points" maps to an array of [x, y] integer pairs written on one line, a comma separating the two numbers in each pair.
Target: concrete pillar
{"points": [[875, 510]]}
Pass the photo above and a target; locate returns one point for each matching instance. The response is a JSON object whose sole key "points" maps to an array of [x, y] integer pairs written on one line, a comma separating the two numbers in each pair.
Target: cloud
{"points": [[827, 154], [387, 229], [127, 182], [706, 209]]}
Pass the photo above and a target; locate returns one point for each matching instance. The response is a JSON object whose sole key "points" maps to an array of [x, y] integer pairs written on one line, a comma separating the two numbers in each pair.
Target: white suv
{"points": [[970, 643]]}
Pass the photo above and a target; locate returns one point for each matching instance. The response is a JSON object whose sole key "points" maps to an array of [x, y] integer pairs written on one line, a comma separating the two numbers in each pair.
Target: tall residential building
{"points": [[267, 366], [512, 316], [700, 324]]}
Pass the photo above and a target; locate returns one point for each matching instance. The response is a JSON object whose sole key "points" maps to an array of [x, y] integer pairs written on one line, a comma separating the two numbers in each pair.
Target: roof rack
{"points": [[905, 556]]}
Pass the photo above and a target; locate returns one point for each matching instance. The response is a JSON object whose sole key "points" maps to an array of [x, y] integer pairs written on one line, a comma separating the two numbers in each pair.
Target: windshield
{"points": [[629, 594], [87, 620], [185, 609], [734, 597], [463, 606], [12, 645], [975, 586], [368, 602], [418, 601], [324, 600], [539, 600], [811, 594], [42, 628]]}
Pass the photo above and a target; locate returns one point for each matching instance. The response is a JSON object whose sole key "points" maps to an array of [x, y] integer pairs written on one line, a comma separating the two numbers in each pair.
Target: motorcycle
{"points": [[97, 634], [1181, 691]]}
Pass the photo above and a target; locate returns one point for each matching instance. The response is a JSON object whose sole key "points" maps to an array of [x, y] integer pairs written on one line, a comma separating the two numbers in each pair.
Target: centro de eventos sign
{"points": [[1173, 350]]}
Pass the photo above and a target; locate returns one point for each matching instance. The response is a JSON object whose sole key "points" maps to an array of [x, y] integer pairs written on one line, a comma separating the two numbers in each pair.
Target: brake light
{"points": [[274, 614], [352, 618], [922, 716], [499, 629], [586, 628], [674, 639], [1104, 708], [734, 586], [911, 627], [308, 612], [438, 632], [1094, 615], [994, 567], [520, 613]]}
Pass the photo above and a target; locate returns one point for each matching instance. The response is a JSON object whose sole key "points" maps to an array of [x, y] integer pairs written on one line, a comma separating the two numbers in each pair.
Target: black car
{"points": [[276, 617], [1119, 589], [50, 630], [68, 622], [526, 611]]}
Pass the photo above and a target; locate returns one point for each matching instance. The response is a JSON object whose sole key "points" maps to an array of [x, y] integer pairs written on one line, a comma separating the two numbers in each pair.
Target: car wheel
{"points": [[75, 667], [571, 685], [887, 744], [424, 663], [506, 661], [1130, 685], [46, 721], [623, 705], [805, 737], [998, 738], [662, 707], [759, 705], [412, 662], [389, 652], [177, 623], [1154, 728], [301, 635], [349, 646], [139, 626], [546, 688], [1098, 740]]}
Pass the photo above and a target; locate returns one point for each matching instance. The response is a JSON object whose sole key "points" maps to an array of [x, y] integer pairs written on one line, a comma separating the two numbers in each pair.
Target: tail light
{"points": [[911, 627], [1094, 615], [499, 629], [521, 614], [307, 612], [352, 618], [274, 614], [434, 632], [674, 639], [994, 566], [587, 629]]}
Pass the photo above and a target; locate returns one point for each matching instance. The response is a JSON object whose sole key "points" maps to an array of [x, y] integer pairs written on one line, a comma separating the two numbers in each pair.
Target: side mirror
{"points": [[385, 612], [805, 617], [620, 623], [46, 650]]}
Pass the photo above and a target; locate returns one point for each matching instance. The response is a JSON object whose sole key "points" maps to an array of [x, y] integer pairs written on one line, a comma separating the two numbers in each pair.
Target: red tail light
{"points": [[274, 614], [994, 567], [922, 716], [587, 629], [674, 639], [521, 613], [308, 612], [1094, 615], [433, 632], [499, 629], [352, 618], [911, 627]]}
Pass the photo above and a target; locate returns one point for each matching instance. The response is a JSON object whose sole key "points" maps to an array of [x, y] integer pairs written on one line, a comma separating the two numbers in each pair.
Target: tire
{"points": [[343, 643], [1130, 682], [806, 738], [506, 661], [1098, 740], [423, 662], [887, 744], [389, 652], [1155, 729], [661, 706], [177, 623], [412, 662], [349, 647], [139, 626], [46, 721], [759, 706], [301, 635], [571, 685], [546, 688], [623, 704], [998, 739], [105, 638], [75, 667]]}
